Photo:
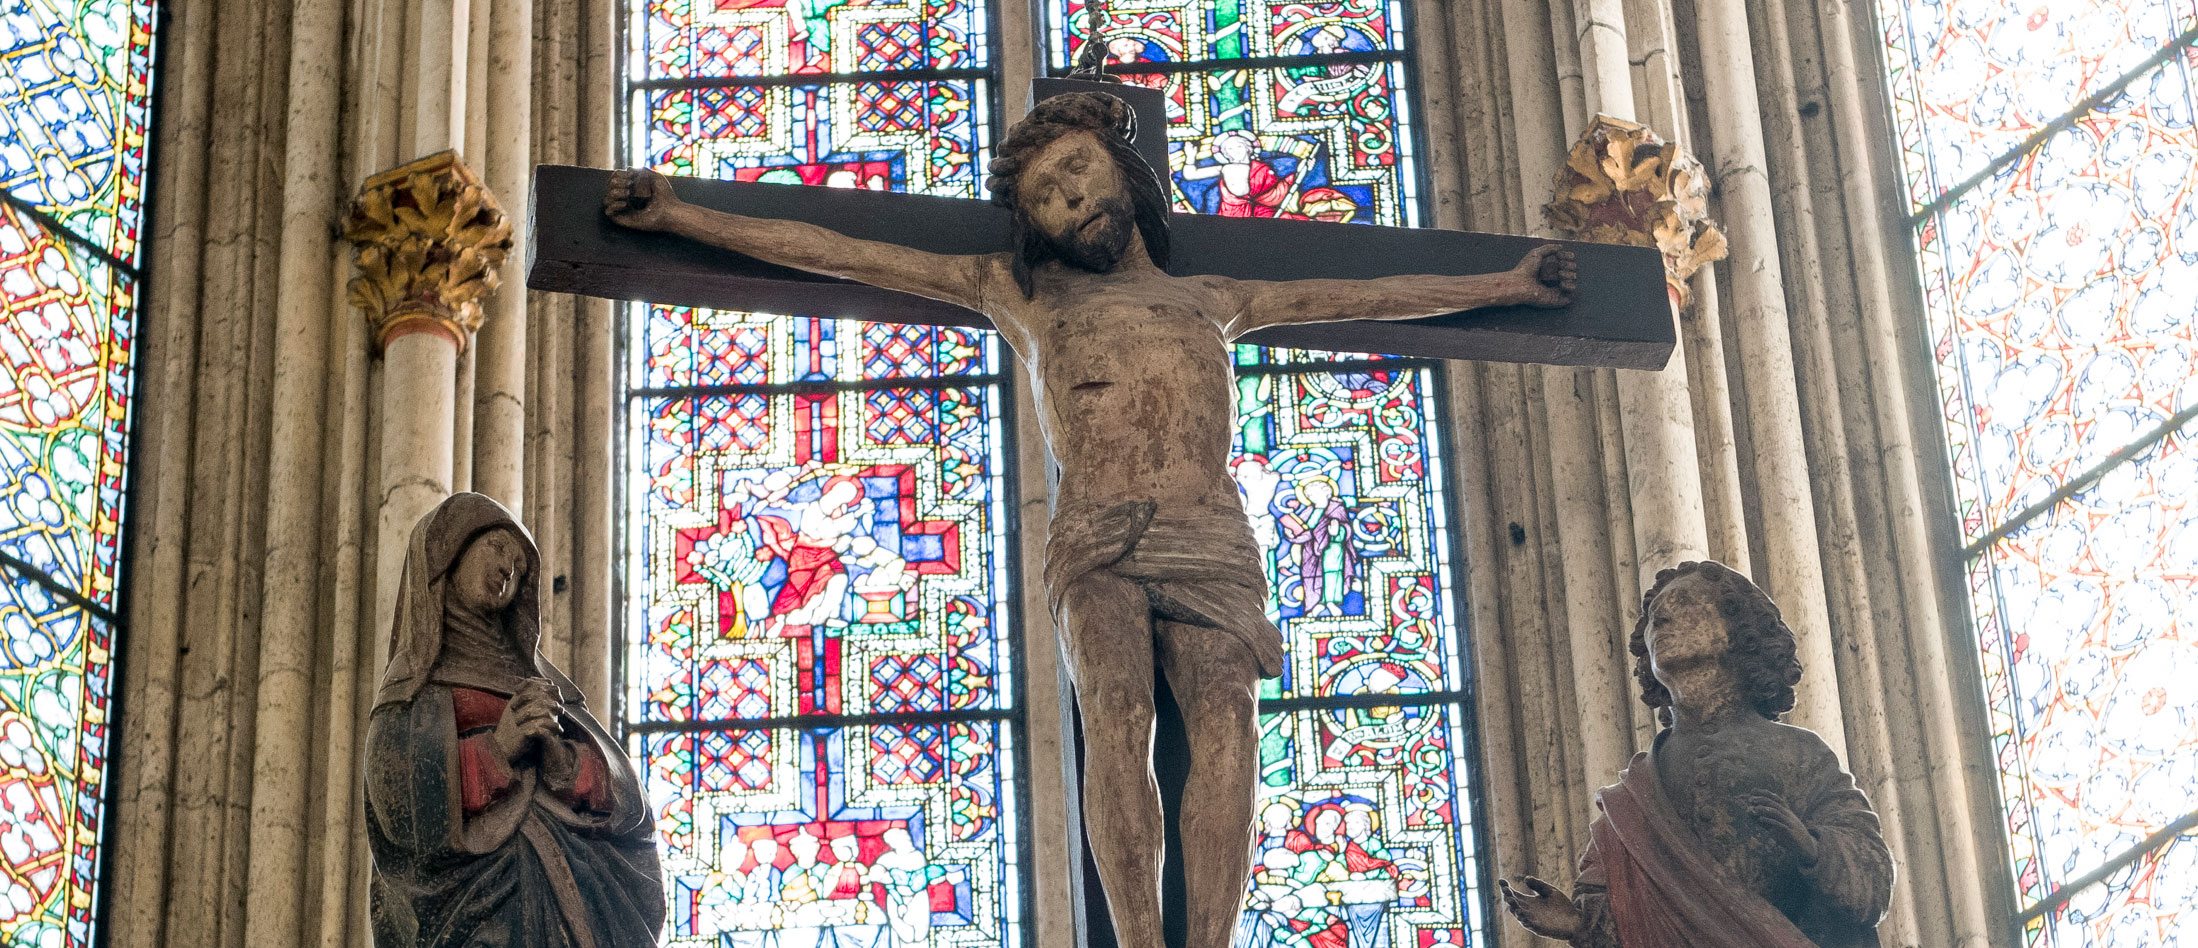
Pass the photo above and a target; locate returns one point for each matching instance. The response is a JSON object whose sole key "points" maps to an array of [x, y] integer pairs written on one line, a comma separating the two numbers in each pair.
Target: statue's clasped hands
{"points": [[531, 715], [1771, 810]]}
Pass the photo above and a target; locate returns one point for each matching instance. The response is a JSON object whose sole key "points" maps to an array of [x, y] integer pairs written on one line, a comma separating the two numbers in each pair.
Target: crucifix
{"points": [[1121, 315]]}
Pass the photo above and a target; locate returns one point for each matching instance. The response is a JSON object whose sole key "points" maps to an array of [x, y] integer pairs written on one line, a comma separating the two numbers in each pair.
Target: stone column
{"points": [[1792, 571], [429, 238], [1623, 185]]}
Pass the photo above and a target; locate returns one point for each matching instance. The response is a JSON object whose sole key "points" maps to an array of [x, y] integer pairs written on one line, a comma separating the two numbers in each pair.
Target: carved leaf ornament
{"points": [[1623, 185], [429, 239]]}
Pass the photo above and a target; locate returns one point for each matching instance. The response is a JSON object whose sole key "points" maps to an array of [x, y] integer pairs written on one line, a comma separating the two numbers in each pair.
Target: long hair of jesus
{"points": [[1112, 122]]}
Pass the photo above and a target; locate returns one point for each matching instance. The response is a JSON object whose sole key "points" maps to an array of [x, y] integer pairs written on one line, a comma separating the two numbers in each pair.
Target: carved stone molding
{"points": [[429, 238], [1623, 185]]}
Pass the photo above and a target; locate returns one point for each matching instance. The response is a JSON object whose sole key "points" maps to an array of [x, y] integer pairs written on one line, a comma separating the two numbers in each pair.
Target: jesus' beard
{"points": [[1099, 246]]}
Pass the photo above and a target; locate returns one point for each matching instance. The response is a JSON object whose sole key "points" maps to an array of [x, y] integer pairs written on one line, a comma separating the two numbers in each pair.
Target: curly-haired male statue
{"points": [[1733, 831], [1150, 557]]}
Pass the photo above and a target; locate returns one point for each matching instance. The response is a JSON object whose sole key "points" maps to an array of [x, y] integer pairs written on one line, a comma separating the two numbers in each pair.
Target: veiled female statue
{"points": [[499, 812], [1733, 830]]}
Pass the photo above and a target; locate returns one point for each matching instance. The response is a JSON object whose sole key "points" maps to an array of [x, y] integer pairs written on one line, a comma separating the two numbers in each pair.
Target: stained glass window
{"points": [[73, 127], [819, 661], [1276, 108], [1300, 110], [1366, 832], [2052, 174]]}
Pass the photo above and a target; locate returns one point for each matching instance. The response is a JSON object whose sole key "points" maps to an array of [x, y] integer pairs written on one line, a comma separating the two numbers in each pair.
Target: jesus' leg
{"points": [[1215, 677], [1109, 638]]}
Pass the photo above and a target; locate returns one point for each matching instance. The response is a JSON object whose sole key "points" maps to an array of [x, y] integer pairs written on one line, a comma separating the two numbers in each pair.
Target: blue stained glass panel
{"points": [[74, 96]]}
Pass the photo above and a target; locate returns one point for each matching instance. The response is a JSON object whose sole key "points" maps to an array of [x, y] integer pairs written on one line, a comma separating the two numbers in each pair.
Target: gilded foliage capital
{"points": [[428, 238], [1623, 185]]}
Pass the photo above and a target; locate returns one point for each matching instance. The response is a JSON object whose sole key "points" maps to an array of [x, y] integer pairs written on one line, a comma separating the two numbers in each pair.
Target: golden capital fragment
{"points": [[1623, 185], [429, 238]]}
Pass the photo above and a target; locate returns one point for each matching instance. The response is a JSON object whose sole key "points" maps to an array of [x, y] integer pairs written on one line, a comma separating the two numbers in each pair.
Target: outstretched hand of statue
{"points": [[1541, 909], [530, 715], [640, 199], [1552, 274]]}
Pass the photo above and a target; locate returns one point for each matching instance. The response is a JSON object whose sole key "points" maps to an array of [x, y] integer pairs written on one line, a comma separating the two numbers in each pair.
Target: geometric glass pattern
{"points": [[819, 646], [73, 125], [1275, 109], [2051, 164], [819, 653], [879, 94], [75, 90]]}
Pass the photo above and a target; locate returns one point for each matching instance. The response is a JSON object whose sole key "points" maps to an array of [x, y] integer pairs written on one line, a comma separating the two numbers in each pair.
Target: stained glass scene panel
{"points": [[712, 39], [1971, 79], [65, 369], [838, 552], [1365, 836], [884, 136], [678, 347], [1323, 142], [1339, 471], [2088, 621], [2153, 903], [889, 836], [1196, 30], [2061, 300], [55, 691], [75, 86]]}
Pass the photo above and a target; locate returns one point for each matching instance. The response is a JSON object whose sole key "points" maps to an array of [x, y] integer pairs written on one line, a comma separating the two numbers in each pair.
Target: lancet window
{"points": [[820, 638], [2051, 160], [1303, 111], [74, 122]]}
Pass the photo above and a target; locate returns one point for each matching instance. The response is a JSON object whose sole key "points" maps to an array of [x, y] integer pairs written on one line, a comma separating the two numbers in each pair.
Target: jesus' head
{"points": [[1078, 187]]}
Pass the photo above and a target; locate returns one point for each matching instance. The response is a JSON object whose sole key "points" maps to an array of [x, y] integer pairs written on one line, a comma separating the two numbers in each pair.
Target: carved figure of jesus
{"points": [[1150, 558]]}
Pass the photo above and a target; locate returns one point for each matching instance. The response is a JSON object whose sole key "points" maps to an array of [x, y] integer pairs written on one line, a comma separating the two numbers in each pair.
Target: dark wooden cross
{"points": [[1620, 317]]}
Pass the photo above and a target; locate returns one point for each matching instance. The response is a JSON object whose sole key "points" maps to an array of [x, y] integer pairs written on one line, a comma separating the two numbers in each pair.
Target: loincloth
{"points": [[1198, 565]]}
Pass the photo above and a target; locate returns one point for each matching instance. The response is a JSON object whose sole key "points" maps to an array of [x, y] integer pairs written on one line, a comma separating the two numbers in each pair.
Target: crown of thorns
{"points": [[1095, 112]]}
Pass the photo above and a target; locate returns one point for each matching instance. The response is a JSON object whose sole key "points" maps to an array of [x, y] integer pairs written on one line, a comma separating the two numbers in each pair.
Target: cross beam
{"points": [[1620, 317]]}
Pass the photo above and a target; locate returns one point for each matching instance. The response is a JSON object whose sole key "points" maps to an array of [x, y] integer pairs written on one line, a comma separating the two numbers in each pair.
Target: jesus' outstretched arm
{"points": [[1546, 277], [643, 200]]}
